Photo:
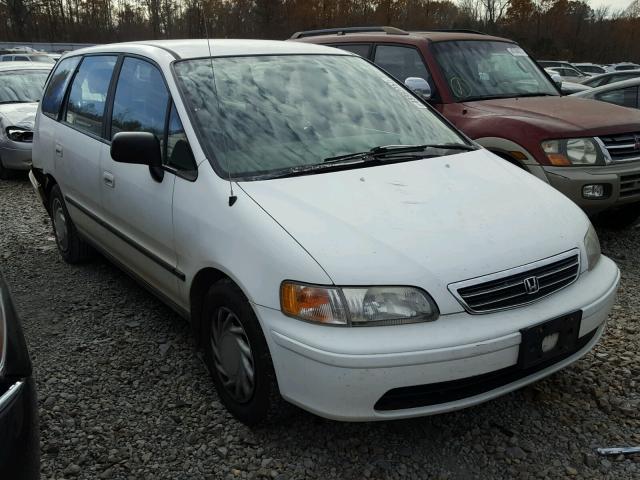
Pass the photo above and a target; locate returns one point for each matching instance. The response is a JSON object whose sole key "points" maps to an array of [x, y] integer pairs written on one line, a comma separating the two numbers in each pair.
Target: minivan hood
{"points": [[19, 114], [426, 223], [564, 114]]}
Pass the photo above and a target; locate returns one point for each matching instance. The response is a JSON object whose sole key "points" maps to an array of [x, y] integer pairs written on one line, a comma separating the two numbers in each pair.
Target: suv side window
{"points": [[361, 49], [178, 154], [402, 62], [53, 96], [141, 99], [88, 96], [21, 58]]}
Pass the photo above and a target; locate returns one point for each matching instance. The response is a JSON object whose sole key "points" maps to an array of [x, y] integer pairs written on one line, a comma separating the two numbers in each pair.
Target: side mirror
{"points": [[557, 79], [420, 86], [141, 148]]}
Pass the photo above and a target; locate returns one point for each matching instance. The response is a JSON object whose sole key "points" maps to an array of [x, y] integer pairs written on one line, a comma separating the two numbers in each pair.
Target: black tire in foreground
{"points": [[70, 245], [238, 357], [5, 173]]}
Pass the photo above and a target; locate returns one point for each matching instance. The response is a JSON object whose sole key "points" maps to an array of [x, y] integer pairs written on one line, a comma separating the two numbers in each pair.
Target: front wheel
{"points": [[5, 173], [237, 356]]}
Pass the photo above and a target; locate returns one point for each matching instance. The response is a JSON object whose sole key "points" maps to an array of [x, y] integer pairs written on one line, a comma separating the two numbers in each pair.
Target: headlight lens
{"points": [[357, 306], [19, 134], [592, 247], [573, 151]]}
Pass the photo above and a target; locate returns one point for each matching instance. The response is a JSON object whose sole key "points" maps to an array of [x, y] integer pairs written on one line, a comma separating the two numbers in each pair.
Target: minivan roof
{"points": [[196, 48]]}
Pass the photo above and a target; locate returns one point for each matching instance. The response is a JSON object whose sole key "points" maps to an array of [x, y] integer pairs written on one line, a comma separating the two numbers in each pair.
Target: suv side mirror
{"points": [[557, 79], [141, 148], [420, 86]]}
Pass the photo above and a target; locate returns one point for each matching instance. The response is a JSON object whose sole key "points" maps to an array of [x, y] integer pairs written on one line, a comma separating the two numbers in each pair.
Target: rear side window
{"points": [[626, 97], [88, 96], [361, 49], [141, 99], [54, 94], [21, 58]]}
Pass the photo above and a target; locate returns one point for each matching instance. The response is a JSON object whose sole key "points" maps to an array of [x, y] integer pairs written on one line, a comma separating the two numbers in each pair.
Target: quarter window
{"points": [[58, 85], [178, 154], [626, 97], [141, 99], [88, 96]]}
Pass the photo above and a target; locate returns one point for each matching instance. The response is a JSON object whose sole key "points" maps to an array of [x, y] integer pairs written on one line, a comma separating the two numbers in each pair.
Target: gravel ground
{"points": [[123, 395]]}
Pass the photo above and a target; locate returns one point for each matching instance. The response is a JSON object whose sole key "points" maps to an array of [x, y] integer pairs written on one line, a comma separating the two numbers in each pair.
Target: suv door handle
{"points": [[108, 179], [58, 150]]}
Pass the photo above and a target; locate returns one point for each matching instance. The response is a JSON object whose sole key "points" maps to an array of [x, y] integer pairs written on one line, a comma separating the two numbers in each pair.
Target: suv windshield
{"points": [[481, 70], [274, 113], [21, 86]]}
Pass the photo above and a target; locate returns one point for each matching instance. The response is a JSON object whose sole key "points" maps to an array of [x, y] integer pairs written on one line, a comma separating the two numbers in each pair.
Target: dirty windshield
{"points": [[274, 113]]}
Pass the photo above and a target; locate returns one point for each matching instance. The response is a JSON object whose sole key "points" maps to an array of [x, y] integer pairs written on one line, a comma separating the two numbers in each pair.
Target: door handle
{"points": [[108, 179], [58, 150]]}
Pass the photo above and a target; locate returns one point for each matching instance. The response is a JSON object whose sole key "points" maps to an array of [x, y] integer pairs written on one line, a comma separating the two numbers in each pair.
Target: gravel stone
{"points": [[123, 394]]}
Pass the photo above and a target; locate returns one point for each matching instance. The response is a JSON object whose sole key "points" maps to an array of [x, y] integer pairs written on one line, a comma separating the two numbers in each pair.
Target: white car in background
{"points": [[21, 86], [333, 241], [625, 93], [590, 68]]}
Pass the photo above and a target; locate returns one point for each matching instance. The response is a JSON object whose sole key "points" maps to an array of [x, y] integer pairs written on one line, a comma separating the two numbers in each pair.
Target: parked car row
{"points": [[578, 70]]}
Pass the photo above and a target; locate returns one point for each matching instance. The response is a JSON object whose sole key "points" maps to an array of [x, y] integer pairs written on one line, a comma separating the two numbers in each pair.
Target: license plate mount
{"points": [[549, 339]]}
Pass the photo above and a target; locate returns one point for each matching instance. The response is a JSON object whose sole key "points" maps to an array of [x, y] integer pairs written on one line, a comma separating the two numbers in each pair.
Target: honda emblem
{"points": [[531, 285]]}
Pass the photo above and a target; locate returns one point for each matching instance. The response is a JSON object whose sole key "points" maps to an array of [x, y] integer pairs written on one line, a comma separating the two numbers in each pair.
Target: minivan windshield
{"points": [[482, 70], [21, 86], [277, 112]]}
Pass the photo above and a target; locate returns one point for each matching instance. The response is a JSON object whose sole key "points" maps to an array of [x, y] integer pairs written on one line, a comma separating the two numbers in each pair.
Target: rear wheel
{"points": [[71, 246], [238, 357]]}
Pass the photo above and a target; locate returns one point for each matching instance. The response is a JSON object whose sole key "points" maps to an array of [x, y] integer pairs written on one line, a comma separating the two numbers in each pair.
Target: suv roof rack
{"points": [[456, 30], [345, 30]]}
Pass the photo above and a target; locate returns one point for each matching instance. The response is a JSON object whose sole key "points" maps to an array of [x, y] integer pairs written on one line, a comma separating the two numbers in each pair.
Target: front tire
{"points": [[238, 357], [5, 173], [70, 245]]}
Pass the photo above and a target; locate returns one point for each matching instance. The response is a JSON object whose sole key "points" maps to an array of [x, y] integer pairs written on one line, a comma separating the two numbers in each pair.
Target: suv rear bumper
{"points": [[622, 182]]}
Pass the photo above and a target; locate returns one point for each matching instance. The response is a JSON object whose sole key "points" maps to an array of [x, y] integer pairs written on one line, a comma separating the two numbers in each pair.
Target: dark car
{"points": [[19, 433], [493, 91]]}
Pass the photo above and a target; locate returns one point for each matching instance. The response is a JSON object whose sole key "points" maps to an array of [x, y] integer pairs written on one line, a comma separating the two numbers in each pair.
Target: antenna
{"points": [[232, 197]]}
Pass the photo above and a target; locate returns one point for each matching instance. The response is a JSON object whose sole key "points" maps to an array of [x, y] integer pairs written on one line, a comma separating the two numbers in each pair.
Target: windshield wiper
{"points": [[375, 155], [387, 150], [510, 95]]}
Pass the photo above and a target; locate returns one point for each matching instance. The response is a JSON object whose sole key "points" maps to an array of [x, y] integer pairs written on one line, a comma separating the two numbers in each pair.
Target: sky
{"points": [[613, 5]]}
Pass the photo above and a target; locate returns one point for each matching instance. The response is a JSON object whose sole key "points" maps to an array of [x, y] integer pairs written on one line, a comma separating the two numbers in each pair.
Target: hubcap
{"points": [[60, 225], [232, 355]]}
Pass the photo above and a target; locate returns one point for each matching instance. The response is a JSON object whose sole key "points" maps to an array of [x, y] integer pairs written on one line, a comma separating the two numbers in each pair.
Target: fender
{"points": [[504, 147]]}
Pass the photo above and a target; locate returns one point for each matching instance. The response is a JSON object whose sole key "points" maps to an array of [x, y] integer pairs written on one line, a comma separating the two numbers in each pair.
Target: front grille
{"points": [[444, 392], [525, 285], [622, 148], [629, 185]]}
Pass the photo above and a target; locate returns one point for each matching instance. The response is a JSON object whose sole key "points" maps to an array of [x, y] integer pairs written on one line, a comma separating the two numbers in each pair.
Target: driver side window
{"points": [[402, 63]]}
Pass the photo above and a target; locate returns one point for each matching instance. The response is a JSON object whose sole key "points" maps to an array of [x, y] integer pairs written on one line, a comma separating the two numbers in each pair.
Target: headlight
{"points": [[573, 151], [592, 247], [19, 134], [357, 306]]}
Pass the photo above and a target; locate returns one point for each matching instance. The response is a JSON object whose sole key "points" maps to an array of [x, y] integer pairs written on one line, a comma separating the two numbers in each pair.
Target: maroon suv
{"points": [[493, 91]]}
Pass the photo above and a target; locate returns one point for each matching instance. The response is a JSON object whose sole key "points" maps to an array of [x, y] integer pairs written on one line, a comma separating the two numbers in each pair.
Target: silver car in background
{"points": [[625, 94], [21, 85]]}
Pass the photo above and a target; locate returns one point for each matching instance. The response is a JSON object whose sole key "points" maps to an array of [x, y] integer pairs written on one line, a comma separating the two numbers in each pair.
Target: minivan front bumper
{"points": [[621, 181], [351, 373]]}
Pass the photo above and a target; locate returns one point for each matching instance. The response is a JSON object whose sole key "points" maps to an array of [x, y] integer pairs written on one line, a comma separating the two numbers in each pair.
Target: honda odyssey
{"points": [[333, 241]]}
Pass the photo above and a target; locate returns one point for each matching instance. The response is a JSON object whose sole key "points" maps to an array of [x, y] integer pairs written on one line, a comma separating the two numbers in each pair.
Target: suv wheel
{"points": [[71, 246], [237, 356], [621, 217], [5, 173]]}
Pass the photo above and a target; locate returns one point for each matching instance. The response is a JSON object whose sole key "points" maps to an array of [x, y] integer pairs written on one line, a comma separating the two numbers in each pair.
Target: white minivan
{"points": [[333, 241]]}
